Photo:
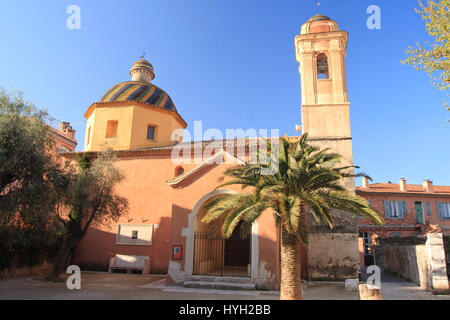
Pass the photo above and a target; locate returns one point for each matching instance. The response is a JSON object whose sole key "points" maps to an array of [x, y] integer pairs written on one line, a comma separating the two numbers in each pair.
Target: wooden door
{"points": [[419, 213]]}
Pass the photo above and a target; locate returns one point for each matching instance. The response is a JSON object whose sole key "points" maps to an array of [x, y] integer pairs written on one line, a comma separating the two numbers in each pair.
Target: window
{"points": [[427, 208], [370, 205], [395, 235], [111, 128], [322, 66], [179, 171], [151, 132], [134, 234], [89, 136], [443, 210], [394, 209], [366, 241]]}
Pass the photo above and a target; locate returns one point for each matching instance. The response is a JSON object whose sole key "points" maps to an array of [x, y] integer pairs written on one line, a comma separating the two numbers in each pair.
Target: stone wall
{"points": [[436, 260], [413, 260], [333, 256], [408, 262], [447, 253], [383, 243]]}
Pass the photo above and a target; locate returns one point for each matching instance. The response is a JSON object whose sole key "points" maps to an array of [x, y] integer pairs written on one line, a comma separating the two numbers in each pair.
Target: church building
{"points": [[141, 123]]}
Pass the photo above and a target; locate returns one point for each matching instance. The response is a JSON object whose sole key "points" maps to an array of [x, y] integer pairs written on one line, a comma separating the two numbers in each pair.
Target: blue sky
{"points": [[232, 64]]}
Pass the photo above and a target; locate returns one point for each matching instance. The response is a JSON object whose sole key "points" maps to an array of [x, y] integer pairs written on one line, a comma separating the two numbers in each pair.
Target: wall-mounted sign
{"points": [[177, 252]]}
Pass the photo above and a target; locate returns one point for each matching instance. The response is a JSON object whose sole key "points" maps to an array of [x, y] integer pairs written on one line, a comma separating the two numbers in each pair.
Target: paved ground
{"points": [[393, 288], [151, 287], [131, 286]]}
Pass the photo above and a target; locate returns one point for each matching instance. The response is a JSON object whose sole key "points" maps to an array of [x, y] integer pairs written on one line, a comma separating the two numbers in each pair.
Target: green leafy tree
{"points": [[308, 180], [90, 201], [32, 182], [434, 60], [24, 142]]}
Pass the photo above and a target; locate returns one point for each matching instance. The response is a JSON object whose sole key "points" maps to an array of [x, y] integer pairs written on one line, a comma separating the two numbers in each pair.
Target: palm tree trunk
{"points": [[290, 267]]}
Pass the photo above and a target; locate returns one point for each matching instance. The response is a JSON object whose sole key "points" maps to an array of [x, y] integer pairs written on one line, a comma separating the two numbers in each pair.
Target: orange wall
{"points": [[153, 201], [150, 202], [186, 197]]}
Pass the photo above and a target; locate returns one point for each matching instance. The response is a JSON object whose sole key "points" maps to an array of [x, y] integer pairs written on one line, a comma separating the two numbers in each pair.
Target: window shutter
{"points": [[445, 211], [386, 209], [404, 208], [439, 206], [400, 209], [427, 204]]}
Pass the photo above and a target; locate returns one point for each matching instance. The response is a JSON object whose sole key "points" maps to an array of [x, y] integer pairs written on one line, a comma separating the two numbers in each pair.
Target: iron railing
{"points": [[216, 256]]}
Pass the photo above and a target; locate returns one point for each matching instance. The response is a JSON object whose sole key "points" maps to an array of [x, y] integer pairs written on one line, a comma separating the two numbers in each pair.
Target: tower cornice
{"points": [[322, 35]]}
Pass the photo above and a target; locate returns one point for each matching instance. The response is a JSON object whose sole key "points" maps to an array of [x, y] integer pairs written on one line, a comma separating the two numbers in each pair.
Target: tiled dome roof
{"points": [[141, 92], [319, 23], [318, 18]]}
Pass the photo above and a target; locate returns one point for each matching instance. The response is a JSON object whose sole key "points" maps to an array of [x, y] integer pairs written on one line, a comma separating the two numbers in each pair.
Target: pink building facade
{"points": [[408, 210]]}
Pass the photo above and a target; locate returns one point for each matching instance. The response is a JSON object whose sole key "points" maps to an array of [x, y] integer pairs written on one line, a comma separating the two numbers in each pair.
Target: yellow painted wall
{"points": [[132, 128], [165, 124], [89, 133], [124, 115], [328, 120]]}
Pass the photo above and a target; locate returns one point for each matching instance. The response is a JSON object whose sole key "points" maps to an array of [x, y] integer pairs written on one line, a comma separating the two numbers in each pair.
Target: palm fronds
{"points": [[307, 176]]}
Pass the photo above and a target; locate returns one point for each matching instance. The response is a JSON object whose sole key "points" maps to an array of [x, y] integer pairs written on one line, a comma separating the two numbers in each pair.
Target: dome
{"points": [[142, 66], [319, 23], [138, 91], [319, 17]]}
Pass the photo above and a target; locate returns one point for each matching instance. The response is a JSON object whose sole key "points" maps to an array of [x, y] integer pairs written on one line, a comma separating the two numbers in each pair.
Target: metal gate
{"points": [[217, 256]]}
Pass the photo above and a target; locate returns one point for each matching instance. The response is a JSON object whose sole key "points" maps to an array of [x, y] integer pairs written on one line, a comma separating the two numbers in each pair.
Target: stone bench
{"points": [[130, 263]]}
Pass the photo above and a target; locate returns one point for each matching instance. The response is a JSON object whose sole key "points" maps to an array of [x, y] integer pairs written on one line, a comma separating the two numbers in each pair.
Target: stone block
{"points": [[369, 294]]}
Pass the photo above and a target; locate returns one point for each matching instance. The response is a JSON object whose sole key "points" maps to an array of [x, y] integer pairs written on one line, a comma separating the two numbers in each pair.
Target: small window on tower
{"points": [[151, 132], [179, 171], [322, 66], [89, 136], [111, 128]]}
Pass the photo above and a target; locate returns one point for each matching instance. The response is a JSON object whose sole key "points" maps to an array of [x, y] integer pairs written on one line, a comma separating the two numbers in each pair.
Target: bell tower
{"points": [[320, 49]]}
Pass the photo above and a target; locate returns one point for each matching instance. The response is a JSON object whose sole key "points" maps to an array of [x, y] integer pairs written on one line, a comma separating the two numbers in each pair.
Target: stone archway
{"points": [[190, 231]]}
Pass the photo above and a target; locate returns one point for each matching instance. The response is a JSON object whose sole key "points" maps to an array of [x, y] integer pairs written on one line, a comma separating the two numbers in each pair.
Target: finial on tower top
{"points": [[143, 55], [317, 7]]}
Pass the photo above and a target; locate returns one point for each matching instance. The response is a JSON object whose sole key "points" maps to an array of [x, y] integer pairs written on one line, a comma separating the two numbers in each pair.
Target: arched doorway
{"points": [[216, 256]]}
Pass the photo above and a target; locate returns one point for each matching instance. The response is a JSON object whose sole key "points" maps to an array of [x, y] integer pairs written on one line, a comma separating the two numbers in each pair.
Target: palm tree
{"points": [[308, 179]]}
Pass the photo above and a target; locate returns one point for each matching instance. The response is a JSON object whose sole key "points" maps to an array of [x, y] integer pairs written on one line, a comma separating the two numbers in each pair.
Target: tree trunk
{"points": [[60, 263], [67, 248], [290, 267]]}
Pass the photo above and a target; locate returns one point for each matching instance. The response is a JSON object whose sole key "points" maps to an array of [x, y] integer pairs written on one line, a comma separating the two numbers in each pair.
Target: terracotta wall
{"points": [[406, 226], [149, 203]]}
